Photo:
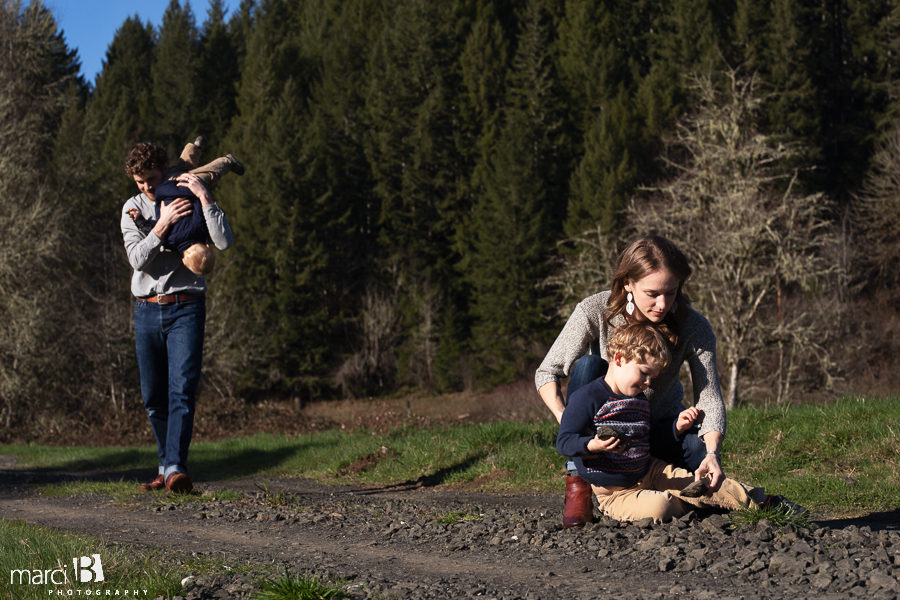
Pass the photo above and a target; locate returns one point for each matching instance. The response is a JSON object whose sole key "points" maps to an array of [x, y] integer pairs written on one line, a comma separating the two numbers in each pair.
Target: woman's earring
{"points": [[629, 308]]}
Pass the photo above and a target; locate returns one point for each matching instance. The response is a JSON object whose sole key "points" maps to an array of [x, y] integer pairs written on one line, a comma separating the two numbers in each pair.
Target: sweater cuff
{"points": [[675, 435]]}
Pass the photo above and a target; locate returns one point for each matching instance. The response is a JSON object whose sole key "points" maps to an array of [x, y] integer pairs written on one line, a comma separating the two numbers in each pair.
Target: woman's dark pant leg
{"points": [[687, 453], [588, 368]]}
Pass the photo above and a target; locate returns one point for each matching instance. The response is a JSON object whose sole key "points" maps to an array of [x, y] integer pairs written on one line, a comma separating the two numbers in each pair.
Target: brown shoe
{"points": [[579, 505], [179, 483], [157, 484]]}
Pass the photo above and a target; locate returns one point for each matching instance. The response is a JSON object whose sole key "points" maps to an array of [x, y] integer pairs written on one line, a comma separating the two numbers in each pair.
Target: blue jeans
{"points": [[687, 454], [169, 343]]}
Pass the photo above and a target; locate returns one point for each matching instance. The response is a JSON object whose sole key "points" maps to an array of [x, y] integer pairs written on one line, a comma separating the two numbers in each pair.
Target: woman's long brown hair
{"points": [[642, 257]]}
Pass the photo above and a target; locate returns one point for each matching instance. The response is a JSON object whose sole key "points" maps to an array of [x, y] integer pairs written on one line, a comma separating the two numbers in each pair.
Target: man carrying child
{"points": [[169, 308]]}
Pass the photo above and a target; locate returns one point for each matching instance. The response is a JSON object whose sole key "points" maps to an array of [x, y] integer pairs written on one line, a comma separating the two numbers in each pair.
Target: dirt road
{"points": [[410, 541]]}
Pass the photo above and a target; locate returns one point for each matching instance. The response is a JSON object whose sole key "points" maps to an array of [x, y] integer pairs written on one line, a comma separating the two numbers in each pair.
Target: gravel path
{"points": [[412, 543]]}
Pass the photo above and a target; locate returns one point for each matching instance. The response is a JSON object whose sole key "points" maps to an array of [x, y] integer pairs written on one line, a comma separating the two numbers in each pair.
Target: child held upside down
{"points": [[606, 429], [189, 236]]}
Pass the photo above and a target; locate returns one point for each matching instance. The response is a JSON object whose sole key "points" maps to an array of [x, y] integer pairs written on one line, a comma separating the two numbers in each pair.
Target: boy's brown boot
{"points": [[579, 504]]}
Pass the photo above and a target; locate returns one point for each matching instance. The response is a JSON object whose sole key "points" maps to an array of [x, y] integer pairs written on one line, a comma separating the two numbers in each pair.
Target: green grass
{"points": [[843, 457], [47, 556], [778, 516], [514, 456], [300, 587], [840, 457], [26, 547]]}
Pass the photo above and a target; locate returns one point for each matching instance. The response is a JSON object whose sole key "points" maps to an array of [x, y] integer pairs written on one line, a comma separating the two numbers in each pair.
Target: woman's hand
{"points": [[193, 183], [611, 444], [711, 467]]}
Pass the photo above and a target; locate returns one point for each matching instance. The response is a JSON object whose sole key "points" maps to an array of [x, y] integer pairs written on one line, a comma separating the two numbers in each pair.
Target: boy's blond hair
{"points": [[199, 258], [640, 342]]}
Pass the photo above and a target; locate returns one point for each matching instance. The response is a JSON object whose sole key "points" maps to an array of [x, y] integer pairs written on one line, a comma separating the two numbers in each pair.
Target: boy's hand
{"points": [[608, 445], [686, 418]]}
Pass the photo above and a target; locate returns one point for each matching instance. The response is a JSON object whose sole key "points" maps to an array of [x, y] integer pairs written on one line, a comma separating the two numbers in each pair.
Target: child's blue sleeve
{"points": [[576, 425]]}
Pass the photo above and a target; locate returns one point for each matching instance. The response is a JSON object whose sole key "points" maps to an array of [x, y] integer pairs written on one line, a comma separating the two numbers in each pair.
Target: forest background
{"points": [[432, 186]]}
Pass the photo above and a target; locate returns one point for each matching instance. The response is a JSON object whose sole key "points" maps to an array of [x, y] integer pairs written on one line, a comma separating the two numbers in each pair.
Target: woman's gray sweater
{"points": [[696, 345]]}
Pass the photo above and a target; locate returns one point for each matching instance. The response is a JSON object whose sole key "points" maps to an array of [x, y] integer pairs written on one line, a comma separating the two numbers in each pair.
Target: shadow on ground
{"points": [[118, 465], [887, 520]]}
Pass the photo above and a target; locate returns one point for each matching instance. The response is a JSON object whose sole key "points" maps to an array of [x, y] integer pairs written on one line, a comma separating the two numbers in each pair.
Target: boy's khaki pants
{"points": [[656, 496], [209, 174]]}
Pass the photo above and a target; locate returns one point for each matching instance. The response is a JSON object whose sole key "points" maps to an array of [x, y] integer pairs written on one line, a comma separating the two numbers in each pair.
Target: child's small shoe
{"points": [[784, 505], [236, 167]]}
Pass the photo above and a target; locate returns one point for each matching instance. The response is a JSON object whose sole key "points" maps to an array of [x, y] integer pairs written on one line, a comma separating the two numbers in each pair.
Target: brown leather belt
{"points": [[171, 298]]}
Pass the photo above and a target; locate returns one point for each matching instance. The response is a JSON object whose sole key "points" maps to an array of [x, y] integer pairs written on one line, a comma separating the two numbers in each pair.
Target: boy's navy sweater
{"points": [[189, 230], [595, 404]]}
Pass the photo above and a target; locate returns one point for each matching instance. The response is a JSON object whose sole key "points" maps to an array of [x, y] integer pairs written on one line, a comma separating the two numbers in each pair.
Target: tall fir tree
{"points": [[282, 248], [119, 112], [514, 222], [174, 74], [410, 99], [217, 77]]}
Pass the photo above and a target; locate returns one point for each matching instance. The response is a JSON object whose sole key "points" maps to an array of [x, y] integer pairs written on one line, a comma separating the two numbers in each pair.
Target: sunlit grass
{"points": [[300, 587], [31, 548], [841, 457]]}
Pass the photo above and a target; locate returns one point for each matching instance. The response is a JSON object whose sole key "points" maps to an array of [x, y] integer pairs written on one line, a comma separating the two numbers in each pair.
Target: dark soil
{"points": [[410, 541], [416, 540]]}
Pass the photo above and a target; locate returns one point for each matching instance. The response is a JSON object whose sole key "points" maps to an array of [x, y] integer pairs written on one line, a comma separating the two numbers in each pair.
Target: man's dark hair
{"points": [[144, 157]]}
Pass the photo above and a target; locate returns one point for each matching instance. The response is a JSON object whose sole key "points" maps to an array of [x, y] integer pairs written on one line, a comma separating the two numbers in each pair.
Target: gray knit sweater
{"points": [[696, 346]]}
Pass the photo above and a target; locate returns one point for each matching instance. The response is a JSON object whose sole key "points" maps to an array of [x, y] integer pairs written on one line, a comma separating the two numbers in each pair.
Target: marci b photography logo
{"points": [[88, 569]]}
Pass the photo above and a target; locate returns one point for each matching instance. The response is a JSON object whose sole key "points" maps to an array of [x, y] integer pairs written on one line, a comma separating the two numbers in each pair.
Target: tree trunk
{"points": [[731, 399]]}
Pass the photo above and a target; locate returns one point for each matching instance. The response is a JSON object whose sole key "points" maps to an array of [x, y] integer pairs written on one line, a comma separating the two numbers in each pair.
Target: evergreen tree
{"points": [[174, 73], [217, 76], [483, 63], [274, 302], [514, 221], [632, 59], [119, 114], [412, 81]]}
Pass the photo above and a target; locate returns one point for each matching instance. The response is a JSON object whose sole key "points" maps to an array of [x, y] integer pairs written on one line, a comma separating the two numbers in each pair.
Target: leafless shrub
{"points": [[372, 367], [584, 267], [34, 319], [754, 238], [876, 219]]}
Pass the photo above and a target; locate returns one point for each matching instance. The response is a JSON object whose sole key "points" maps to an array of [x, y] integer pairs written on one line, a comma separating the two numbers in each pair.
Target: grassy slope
{"points": [[840, 457]]}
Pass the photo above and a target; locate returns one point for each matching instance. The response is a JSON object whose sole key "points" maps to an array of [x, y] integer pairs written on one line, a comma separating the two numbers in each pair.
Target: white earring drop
{"points": [[629, 308]]}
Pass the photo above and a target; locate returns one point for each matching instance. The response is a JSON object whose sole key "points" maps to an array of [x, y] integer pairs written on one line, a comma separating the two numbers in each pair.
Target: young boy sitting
{"points": [[606, 430], [188, 236]]}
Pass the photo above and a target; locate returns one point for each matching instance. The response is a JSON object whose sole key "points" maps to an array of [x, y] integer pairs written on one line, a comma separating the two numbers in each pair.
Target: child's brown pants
{"points": [[656, 496]]}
